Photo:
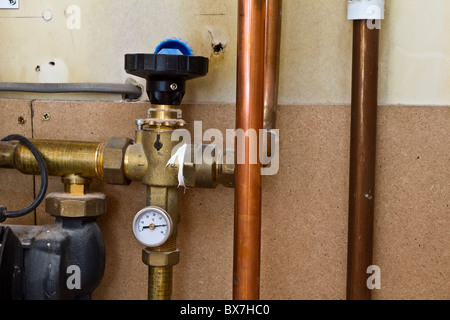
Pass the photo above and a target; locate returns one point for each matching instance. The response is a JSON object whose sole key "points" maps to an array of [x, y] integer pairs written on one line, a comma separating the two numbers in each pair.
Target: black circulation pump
{"points": [[167, 70]]}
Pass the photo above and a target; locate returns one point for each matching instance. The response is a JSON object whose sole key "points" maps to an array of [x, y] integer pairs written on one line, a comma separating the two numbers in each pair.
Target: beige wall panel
{"points": [[304, 206], [412, 215]]}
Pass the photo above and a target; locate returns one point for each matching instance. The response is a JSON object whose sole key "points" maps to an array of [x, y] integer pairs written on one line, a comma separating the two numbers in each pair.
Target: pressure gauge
{"points": [[152, 226]]}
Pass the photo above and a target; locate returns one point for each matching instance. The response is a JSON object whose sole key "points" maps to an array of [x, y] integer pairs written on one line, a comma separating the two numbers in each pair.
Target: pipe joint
{"points": [[160, 259]]}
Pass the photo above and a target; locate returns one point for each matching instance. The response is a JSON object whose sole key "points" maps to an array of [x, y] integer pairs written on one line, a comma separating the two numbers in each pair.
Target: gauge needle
{"points": [[152, 226]]}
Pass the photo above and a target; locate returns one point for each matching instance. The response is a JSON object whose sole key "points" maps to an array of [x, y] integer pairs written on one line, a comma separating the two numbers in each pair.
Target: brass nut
{"points": [[201, 175], [160, 259], [227, 175], [113, 160], [59, 204], [75, 185], [76, 189], [226, 169]]}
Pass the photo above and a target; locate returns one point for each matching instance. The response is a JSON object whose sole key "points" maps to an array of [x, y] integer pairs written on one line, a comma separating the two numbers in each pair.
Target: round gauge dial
{"points": [[152, 226]]}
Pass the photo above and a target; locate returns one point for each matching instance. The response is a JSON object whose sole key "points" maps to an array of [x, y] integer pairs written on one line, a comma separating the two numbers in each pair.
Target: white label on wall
{"points": [[9, 4]]}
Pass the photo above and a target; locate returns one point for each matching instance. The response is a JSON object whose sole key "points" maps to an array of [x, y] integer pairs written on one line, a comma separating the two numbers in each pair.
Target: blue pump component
{"points": [[174, 46]]}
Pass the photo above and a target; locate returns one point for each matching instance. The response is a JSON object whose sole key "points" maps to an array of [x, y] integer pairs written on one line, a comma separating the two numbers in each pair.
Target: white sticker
{"points": [[9, 4], [365, 9]]}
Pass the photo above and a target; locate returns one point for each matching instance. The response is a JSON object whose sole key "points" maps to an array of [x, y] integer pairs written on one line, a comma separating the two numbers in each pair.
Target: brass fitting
{"points": [[60, 204], [160, 259], [113, 161], [226, 170], [162, 117], [86, 159], [158, 145], [213, 169], [135, 162], [160, 263], [76, 201], [200, 174], [75, 185], [7, 151], [61, 157]]}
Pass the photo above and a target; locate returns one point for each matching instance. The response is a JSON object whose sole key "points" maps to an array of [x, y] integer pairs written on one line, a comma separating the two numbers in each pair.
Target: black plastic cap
{"points": [[166, 74]]}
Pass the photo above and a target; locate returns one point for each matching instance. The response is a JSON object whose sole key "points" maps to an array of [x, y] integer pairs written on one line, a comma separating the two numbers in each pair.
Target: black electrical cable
{"points": [[44, 179]]}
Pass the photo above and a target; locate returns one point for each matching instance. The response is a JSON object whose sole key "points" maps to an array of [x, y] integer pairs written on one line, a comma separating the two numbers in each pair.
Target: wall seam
{"points": [[32, 137]]}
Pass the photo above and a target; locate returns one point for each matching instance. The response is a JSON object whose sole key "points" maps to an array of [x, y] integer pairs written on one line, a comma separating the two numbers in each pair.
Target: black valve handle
{"points": [[166, 74]]}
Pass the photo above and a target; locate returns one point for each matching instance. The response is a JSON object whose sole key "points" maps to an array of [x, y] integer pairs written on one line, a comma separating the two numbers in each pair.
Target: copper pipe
{"points": [[272, 61], [249, 116], [362, 158]]}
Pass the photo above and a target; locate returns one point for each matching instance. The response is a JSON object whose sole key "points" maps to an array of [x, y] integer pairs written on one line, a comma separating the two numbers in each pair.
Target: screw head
{"points": [[174, 86], [46, 116], [47, 15]]}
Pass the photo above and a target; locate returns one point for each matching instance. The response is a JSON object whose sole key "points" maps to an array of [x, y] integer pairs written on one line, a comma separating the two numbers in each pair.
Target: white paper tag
{"points": [[179, 157], [365, 9], [9, 4]]}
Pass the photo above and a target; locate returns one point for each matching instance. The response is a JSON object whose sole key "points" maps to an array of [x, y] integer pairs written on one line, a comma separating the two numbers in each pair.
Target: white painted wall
{"points": [[316, 46]]}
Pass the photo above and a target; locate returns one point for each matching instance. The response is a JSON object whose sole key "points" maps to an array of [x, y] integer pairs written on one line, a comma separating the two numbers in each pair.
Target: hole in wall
{"points": [[217, 48], [216, 42], [52, 63], [38, 68]]}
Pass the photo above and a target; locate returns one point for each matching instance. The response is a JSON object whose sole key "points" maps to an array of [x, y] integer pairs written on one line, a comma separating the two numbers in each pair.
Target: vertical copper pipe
{"points": [[249, 116], [272, 61], [362, 158]]}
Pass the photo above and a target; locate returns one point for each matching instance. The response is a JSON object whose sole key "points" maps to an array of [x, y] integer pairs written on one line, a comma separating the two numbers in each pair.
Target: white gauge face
{"points": [[152, 226]]}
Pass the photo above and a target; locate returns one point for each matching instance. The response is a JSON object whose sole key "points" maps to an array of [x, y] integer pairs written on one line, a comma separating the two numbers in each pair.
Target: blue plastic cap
{"points": [[174, 46]]}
